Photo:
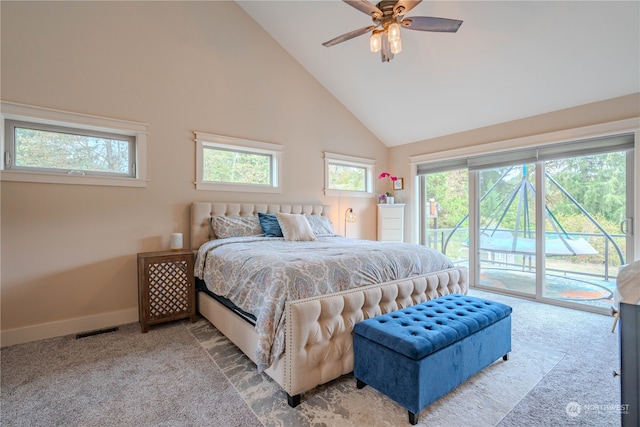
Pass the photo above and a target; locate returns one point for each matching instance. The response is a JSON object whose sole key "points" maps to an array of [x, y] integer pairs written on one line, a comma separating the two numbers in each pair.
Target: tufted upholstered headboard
{"points": [[201, 212]]}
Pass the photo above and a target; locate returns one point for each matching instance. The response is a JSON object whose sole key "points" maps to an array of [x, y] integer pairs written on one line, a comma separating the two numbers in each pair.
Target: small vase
{"points": [[390, 200]]}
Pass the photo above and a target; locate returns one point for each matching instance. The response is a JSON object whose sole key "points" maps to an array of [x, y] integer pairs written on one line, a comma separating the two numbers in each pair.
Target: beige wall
{"points": [[585, 116], [69, 252]]}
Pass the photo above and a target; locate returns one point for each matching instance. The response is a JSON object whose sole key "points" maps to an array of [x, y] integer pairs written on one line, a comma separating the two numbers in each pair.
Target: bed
{"points": [[311, 342]]}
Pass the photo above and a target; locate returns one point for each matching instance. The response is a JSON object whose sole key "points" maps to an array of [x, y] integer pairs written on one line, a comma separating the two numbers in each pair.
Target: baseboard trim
{"points": [[67, 327]]}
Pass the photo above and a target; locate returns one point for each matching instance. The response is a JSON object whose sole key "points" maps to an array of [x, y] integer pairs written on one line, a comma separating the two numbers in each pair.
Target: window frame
{"points": [[345, 160], [58, 120], [238, 145], [11, 125]]}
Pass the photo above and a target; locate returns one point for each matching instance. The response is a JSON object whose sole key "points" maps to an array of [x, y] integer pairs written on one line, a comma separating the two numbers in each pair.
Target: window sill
{"points": [[348, 193], [15, 176], [244, 188]]}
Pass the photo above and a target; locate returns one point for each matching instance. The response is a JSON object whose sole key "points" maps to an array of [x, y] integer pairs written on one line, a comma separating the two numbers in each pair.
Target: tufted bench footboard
{"points": [[420, 353]]}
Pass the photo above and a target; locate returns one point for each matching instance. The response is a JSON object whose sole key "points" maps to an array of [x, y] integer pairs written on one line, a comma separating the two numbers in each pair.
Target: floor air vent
{"points": [[96, 332]]}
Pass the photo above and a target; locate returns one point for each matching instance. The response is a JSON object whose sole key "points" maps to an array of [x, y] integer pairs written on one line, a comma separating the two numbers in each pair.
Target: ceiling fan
{"points": [[388, 18]]}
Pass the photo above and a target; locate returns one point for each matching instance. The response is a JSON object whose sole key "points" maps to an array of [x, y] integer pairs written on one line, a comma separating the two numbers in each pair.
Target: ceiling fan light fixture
{"points": [[396, 46], [375, 43], [393, 32], [388, 17]]}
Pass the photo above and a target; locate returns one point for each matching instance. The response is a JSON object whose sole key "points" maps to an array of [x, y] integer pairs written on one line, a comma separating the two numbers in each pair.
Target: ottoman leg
{"points": [[505, 357], [360, 384], [413, 418]]}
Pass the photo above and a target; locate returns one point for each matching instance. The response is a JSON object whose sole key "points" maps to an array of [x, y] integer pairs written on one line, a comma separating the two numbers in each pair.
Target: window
{"points": [[546, 220], [233, 164], [50, 146], [57, 149], [348, 174], [342, 177]]}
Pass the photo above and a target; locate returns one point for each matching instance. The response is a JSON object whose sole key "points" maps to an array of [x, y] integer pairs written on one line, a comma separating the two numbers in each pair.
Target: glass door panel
{"points": [[507, 229], [445, 214], [585, 204]]}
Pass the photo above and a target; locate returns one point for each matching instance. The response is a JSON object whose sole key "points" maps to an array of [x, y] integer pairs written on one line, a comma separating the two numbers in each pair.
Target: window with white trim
{"points": [[58, 149], [348, 174], [51, 146], [233, 164]]}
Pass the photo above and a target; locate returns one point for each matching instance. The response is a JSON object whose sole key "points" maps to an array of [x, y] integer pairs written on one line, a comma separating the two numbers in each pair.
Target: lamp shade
{"points": [[176, 241], [350, 215]]}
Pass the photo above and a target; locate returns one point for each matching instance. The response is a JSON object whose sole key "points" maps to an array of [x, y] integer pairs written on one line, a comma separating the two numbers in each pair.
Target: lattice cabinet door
{"points": [[166, 288]]}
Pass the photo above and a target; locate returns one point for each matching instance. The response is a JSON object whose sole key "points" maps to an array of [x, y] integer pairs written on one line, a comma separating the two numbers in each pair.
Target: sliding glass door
{"points": [[586, 203], [507, 228], [549, 223]]}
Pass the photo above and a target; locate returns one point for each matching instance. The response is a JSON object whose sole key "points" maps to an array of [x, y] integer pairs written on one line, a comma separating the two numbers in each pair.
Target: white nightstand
{"points": [[391, 222]]}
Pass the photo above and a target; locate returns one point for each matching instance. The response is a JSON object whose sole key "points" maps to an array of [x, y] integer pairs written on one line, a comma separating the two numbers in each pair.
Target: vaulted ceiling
{"points": [[509, 60]]}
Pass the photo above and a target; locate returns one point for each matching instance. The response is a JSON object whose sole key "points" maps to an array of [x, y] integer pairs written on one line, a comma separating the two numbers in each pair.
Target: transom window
{"points": [[348, 174], [233, 164], [53, 146], [228, 166], [57, 149]]}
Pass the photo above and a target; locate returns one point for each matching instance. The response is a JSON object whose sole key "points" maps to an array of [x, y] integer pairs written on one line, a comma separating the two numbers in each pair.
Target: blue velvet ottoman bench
{"points": [[420, 353]]}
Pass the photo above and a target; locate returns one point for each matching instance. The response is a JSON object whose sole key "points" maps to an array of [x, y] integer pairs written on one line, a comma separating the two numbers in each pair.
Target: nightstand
{"points": [[391, 222], [166, 288]]}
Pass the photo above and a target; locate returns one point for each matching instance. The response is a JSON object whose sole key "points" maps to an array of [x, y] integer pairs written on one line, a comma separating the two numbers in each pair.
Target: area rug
{"points": [[483, 400]]}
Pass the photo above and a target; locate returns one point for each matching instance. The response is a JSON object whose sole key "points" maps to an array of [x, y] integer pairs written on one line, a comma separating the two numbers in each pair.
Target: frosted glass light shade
{"points": [[396, 46], [394, 32], [375, 44]]}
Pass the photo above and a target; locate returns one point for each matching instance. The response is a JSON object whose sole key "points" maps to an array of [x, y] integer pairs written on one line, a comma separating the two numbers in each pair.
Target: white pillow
{"points": [[295, 227]]}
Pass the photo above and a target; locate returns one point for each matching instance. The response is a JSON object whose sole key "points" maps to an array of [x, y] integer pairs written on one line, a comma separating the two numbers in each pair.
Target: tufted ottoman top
{"points": [[425, 328]]}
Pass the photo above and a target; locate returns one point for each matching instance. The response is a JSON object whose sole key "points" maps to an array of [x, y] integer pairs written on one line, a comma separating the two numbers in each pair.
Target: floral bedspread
{"points": [[259, 274]]}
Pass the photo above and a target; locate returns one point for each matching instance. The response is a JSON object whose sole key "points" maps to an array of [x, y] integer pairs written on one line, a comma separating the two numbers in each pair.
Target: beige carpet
{"points": [[123, 378], [183, 374]]}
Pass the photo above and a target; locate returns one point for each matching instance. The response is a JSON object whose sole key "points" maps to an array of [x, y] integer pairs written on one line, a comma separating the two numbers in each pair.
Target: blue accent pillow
{"points": [[270, 225]]}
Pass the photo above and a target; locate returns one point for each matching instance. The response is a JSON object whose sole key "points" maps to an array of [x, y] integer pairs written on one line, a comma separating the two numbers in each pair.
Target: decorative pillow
{"points": [[235, 226], [295, 227], [321, 225], [270, 225]]}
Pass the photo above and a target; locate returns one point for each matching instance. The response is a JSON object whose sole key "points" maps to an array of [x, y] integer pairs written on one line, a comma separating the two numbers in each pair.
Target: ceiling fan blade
{"points": [[366, 7], [404, 6], [349, 35], [427, 23]]}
